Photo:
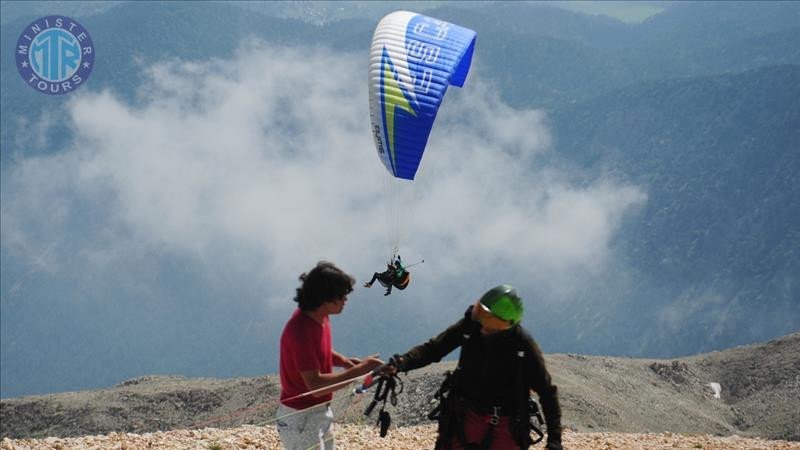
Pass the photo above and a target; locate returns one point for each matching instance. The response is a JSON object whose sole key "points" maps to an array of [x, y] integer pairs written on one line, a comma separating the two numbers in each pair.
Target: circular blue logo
{"points": [[55, 55]]}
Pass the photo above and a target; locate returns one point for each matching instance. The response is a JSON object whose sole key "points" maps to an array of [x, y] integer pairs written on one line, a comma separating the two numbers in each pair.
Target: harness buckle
{"points": [[494, 419]]}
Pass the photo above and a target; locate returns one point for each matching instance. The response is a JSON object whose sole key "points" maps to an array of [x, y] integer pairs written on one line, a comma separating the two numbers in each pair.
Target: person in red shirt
{"points": [[307, 359]]}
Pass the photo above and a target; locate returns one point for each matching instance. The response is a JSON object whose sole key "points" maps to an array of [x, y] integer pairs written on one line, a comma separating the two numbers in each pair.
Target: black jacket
{"points": [[488, 366]]}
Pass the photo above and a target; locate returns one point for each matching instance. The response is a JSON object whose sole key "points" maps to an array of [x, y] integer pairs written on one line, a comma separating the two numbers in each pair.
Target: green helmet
{"points": [[504, 303]]}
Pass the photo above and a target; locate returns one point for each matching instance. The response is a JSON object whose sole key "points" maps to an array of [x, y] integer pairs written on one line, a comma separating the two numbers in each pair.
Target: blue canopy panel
{"points": [[412, 61]]}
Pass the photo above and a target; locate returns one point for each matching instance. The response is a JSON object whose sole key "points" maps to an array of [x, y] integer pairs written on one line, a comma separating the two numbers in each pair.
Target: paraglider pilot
{"points": [[485, 403], [395, 275]]}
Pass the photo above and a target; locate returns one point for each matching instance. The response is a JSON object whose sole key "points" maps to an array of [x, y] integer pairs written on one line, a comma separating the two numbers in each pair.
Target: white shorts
{"points": [[306, 429]]}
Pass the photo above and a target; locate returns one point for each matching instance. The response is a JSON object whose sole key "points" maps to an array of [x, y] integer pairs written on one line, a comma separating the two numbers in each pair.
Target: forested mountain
{"points": [[718, 238]]}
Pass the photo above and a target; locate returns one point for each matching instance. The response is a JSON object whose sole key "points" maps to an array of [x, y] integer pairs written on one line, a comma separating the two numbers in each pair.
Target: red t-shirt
{"points": [[305, 345]]}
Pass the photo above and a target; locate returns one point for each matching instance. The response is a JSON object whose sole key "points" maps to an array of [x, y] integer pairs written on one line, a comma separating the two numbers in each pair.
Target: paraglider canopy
{"points": [[413, 59]]}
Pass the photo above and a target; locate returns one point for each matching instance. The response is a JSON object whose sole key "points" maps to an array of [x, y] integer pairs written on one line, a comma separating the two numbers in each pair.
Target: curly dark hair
{"points": [[324, 283]]}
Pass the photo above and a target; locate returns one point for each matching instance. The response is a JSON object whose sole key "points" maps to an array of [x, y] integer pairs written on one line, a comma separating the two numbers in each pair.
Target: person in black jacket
{"points": [[499, 365]]}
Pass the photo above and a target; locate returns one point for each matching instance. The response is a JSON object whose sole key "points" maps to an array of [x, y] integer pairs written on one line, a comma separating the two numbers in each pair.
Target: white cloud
{"points": [[708, 307], [264, 162]]}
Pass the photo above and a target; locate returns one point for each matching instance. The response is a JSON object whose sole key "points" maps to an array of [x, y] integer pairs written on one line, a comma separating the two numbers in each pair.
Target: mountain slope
{"points": [[760, 396]]}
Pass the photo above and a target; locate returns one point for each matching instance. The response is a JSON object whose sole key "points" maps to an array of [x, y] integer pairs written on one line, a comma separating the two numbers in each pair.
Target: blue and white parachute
{"points": [[413, 59]]}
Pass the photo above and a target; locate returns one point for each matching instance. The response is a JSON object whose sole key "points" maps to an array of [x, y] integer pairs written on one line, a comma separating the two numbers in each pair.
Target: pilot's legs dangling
{"points": [[374, 277]]}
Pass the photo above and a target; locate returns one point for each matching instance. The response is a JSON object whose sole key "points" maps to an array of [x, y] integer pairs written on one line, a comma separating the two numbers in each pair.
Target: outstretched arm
{"points": [[340, 360], [434, 349], [314, 380]]}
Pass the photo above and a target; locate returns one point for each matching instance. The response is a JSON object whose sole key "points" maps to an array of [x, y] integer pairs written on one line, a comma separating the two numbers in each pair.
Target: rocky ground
{"points": [[366, 437], [607, 402]]}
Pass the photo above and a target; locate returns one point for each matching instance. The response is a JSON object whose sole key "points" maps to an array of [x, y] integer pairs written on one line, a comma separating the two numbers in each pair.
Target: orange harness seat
{"points": [[403, 282]]}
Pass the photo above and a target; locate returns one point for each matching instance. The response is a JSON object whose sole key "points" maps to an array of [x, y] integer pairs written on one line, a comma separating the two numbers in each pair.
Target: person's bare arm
{"points": [[315, 380]]}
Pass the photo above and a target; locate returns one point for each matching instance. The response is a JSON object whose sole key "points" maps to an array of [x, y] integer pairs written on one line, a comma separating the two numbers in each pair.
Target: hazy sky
{"points": [[627, 11], [248, 170]]}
